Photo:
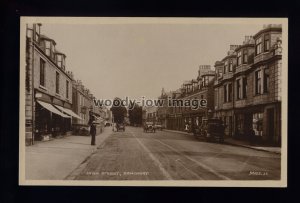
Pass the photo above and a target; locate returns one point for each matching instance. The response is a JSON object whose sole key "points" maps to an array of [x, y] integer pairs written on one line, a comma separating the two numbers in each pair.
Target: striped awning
{"points": [[52, 109], [68, 111]]}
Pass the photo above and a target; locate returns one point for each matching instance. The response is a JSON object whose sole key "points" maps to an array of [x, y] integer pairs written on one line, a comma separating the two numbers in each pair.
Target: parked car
{"points": [[149, 127], [211, 130], [158, 125], [120, 127], [107, 124]]}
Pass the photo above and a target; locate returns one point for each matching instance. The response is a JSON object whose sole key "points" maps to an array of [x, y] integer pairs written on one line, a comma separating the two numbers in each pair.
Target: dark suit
{"points": [[93, 134]]}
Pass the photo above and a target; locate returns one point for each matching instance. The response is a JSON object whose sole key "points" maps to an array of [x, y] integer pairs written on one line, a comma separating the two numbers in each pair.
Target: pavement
{"points": [[56, 158], [241, 143]]}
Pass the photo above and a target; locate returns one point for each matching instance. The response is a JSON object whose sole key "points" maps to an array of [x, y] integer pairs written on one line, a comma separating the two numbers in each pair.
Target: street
{"points": [[136, 155]]}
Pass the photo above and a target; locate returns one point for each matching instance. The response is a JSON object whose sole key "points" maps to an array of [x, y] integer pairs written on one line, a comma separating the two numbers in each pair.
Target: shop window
{"points": [[42, 72], [266, 80], [257, 123], [258, 45], [240, 123], [258, 82], [57, 83]]}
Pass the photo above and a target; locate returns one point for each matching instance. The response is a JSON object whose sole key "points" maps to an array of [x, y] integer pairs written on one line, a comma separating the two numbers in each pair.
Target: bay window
{"points": [[230, 92], [266, 80], [258, 82], [239, 58], [230, 65], [267, 42], [239, 89], [226, 66], [245, 56], [225, 93], [258, 46], [244, 87]]}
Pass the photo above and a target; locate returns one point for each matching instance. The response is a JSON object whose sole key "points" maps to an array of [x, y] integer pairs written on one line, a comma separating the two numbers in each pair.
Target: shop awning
{"points": [[51, 108], [68, 111]]}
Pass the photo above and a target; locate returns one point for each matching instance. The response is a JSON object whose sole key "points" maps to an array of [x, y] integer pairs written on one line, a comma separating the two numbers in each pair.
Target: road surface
{"points": [[136, 155]]}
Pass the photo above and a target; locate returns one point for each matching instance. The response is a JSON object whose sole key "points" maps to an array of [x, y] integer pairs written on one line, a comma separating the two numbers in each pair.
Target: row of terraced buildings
{"points": [[244, 90]]}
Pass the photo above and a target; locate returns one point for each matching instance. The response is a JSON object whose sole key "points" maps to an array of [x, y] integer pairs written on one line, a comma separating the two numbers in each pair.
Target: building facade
{"points": [[48, 106], [200, 88], [248, 96]]}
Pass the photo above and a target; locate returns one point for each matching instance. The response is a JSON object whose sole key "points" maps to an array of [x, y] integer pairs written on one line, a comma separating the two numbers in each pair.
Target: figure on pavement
{"points": [[93, 133]]}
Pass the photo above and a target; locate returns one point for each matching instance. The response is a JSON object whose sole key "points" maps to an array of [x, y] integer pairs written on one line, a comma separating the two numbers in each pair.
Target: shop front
{"points": [[264, 120], [52, 117], [49, 121]]}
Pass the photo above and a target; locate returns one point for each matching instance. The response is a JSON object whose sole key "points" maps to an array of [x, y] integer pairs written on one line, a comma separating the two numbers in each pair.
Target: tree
{"points": [[135, 115], [118, 111]]}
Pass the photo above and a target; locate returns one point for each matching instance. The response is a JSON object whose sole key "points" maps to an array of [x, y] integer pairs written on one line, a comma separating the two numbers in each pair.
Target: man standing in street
{"points": [[93, 133]]}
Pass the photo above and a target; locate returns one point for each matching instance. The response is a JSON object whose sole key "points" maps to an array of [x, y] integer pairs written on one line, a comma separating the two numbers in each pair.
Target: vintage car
{"points": [[149, 127], [120, 127], [158, 125], [211, 130]]}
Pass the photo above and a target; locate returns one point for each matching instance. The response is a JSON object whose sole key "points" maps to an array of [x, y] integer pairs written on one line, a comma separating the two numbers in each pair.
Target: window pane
{"points": [[47, 44], [57, 82], [42, 72]]}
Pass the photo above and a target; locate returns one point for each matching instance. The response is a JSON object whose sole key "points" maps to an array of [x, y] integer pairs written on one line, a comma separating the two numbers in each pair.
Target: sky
{"points": [[135, 60]]}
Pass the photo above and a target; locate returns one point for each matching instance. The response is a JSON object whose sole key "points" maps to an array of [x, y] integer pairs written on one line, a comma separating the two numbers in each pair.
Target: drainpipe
{"points": [[32, 89]]}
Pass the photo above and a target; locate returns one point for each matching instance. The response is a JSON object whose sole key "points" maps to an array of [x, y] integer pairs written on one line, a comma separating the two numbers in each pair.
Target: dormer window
{"points": [[60, 60], [48, 48], [52, 51]]}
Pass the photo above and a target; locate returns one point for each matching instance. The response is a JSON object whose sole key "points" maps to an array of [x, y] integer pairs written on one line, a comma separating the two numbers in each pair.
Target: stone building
{"points": [[48, 106], [223, 89], [84, 106], [249, 96], [151, 113], [200, 88]]}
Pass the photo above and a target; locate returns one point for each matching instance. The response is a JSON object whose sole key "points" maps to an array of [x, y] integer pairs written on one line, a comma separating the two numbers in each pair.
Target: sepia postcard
{"points": [[189, 102]]}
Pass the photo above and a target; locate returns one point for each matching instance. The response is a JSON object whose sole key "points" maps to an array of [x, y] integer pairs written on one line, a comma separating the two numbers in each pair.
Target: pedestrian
{"points": [[251, 134], [93, 133]]}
